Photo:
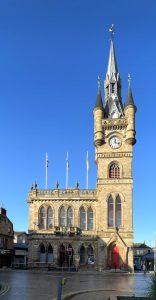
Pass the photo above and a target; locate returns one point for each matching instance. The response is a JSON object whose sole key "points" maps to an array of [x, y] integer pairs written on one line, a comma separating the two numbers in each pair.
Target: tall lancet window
{"points": [[90, 219], [118, 211], [49, 217], [114, 171], [42, 217], [69, 217], [110, 212], [62, 216], [82, 218]]}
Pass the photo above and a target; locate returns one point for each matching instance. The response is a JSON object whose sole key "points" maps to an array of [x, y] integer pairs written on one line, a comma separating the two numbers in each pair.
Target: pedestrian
{"points": [[144, 268]]}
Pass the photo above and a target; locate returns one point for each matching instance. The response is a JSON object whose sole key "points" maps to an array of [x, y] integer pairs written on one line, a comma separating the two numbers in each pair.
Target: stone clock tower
{"points": [[114, 137], [92, 228]]}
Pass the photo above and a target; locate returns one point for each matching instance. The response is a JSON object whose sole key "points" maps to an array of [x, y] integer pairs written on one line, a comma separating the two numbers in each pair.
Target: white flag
{"points": [[87, 162]]}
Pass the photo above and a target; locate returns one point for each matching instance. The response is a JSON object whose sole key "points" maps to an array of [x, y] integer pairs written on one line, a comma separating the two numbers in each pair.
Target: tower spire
{"points": [[112, 84], [112, 65]]}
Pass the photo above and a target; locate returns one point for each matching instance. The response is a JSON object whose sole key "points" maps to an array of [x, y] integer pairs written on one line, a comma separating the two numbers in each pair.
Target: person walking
{"points": [[144, 268]]}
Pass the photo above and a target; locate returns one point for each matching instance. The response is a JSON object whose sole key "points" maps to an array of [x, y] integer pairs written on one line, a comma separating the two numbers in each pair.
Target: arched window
{"points": [[62, 216], [82, 255], [50, 257], [42, 254], [114, 171], [82, 218], [110, 212], [118, 211], [49, 217], [42, 218], [90, 219], [69, 217]]}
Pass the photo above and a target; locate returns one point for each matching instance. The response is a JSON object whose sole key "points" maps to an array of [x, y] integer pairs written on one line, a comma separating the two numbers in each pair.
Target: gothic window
{"points": [[50, 254], [118, 211], [114, 171], [82, 218], [90, 219], [49, 217], [42, 254], [62, 216], [110, 212], [42, 217], [69, 217]]}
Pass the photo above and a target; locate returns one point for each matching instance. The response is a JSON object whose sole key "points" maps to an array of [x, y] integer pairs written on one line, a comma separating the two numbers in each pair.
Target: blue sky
{"points": [[51, 53]]}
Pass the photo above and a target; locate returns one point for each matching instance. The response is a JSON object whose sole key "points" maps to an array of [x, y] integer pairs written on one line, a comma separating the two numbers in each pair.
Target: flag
{"points": [[47, 161], [67, 162], [87, 162]]}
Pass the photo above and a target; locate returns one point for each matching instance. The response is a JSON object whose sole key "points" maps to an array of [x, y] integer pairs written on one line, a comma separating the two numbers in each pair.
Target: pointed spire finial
{"points": [[129, 80], [99, 83], [111, 30]]}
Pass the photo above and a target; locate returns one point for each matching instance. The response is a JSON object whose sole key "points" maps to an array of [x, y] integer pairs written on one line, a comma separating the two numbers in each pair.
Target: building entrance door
{"points": [[62, 256], [115, 258]]}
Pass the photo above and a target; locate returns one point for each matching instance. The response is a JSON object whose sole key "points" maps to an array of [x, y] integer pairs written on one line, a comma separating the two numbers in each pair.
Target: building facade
{"points": [[6, 239], [92, 227], [20, 249], [143, 254]]}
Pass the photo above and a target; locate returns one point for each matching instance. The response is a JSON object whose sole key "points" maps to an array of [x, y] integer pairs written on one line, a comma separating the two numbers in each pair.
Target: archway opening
{"points": [[42, 254], [69, 255], [90, 255], [82, 255], [62, 256], [50, 257], [115, 257]]}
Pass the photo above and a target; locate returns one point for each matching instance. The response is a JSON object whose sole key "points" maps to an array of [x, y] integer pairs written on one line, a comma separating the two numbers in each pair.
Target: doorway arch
{"points": [[82, 255], [62, 255], [115, 257]]}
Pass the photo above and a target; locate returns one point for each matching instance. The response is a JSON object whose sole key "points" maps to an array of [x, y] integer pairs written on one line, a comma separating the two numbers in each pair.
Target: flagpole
{"points": [[46, 183], [87, 168], [67, 167]]}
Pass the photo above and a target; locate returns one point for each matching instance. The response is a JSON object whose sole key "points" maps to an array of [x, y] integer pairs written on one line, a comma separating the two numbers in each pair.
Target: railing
{"points": [[67, 230], [33, 265], [65, 192]]}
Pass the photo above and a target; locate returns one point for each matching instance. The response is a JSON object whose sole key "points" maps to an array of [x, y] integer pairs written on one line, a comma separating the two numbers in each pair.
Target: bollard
{"points": [[62, 282], [59, 292]]}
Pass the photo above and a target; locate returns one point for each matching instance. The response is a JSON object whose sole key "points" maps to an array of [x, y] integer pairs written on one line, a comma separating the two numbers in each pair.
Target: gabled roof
{"points": [[140, 245], [20, 233]]}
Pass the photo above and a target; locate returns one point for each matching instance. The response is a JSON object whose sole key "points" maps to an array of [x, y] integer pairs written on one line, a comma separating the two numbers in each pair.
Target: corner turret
{"points": [[130, 110], [98, 116]]}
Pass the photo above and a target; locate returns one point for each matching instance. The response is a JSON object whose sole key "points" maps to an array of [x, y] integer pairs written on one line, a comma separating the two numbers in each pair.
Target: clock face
{"points": [[115, 142]]}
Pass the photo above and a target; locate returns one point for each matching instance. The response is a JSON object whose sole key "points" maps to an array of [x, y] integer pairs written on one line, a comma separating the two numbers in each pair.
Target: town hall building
{"points": [[92, 227]]}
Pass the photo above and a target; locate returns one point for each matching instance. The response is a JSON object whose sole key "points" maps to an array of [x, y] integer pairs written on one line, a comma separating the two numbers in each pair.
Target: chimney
{"points": [[3, 211]]}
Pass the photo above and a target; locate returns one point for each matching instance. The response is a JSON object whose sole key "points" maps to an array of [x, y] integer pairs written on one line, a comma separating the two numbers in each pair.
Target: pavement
{"points": [[41, 285]]}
